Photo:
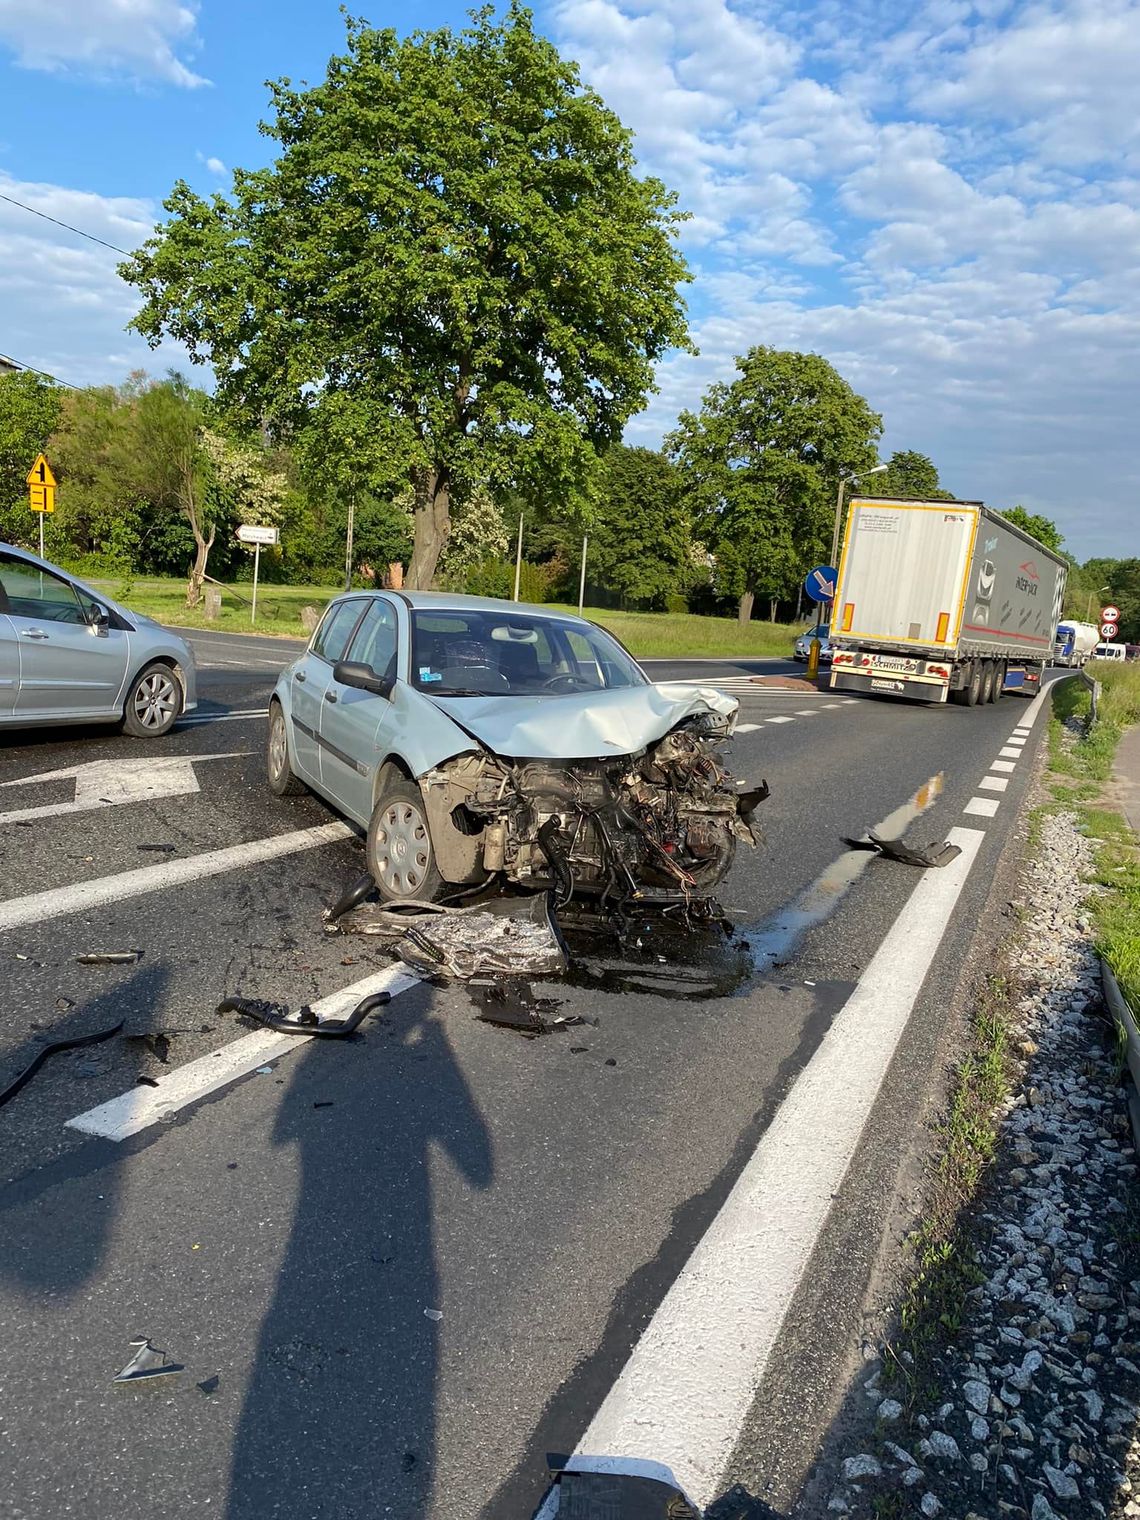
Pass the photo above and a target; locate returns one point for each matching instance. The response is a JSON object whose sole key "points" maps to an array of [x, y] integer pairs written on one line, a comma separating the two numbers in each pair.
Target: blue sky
{"points": [[942, 199]]}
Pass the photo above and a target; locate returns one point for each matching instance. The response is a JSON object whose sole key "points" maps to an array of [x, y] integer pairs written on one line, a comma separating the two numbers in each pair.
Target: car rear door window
{"points": [[37, 594], [333, 635]]}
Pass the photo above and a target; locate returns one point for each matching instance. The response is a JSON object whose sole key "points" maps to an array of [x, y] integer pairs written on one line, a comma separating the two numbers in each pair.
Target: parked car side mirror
{"points": [[363, 677], [97, 617]]}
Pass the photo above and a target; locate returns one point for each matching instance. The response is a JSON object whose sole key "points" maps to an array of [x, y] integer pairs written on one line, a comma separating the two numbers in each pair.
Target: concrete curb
{"points": [[1123, 1016]]}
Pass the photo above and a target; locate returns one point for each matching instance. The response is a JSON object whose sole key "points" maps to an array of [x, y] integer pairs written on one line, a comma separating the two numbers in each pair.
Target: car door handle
{"points": [[330, 696], [33, 633]]}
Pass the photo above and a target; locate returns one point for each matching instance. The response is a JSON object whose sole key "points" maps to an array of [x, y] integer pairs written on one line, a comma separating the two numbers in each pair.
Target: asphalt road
{"points": [[400, 1270]]}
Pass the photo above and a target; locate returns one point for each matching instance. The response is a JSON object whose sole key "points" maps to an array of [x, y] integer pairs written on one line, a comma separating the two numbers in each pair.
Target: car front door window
{"points": [[38, 594]]}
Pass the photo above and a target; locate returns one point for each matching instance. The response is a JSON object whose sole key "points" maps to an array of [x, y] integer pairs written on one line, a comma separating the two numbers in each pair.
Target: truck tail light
{"points": [[848, 616], [943, 628]]}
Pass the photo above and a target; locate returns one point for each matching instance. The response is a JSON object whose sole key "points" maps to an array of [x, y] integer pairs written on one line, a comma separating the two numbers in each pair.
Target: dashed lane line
{"points": [[982, 807], [679, 1403], [1002, 765], [140, 1107], [993, 783], [224, 717], [82, 896], [746, 728], [783, 718]]}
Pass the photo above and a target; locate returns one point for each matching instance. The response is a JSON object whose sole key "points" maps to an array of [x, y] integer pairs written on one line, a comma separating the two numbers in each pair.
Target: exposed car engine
{"points": [[658, 825]]}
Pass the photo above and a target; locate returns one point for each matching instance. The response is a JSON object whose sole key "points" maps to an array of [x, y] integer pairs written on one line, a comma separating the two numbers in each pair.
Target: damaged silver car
{"points": [[476, 739]]}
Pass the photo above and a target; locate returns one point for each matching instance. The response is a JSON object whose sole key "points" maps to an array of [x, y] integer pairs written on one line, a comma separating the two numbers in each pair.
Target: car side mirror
{"points": [[97, 617], [363, 677]]}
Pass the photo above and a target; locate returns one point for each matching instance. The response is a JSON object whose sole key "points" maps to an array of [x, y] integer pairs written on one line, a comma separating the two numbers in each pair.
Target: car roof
{"points": [[446, 601]]}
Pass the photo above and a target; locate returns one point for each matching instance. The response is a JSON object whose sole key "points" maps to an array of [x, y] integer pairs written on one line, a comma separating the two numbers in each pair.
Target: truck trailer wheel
{"points": [[974, 689], [988, 676], [999, 680]]}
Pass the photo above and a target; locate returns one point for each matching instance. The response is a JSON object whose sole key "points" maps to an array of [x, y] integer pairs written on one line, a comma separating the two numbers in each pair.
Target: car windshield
{"points": [[478, 653], [819, 632]]}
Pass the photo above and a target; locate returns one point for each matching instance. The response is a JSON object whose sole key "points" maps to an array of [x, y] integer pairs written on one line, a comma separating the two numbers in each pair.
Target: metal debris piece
{"points": [[108, 957], [276, 1016], [147, 1364], [511, 936], [512, 1004], [933, 854], [41, 1055]]}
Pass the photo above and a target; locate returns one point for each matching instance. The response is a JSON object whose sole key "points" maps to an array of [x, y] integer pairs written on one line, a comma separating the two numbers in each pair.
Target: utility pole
{"points": [[348, 542], [518, 558], [582, 577]]}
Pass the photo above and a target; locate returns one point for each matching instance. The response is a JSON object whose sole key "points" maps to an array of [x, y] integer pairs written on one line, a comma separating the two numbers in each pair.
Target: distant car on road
{"points": [[68, 654], [803, 644]]}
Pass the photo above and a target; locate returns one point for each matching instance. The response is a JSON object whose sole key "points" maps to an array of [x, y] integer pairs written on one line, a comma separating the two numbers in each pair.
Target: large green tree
{"points": [[909, 473], [29, 411], [761, 463], [639, 539], [454, 236], [1043, 529]]}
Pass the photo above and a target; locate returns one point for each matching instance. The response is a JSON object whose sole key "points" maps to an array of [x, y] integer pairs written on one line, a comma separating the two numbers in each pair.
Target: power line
{"points": [[90, 236], [31, 368]]}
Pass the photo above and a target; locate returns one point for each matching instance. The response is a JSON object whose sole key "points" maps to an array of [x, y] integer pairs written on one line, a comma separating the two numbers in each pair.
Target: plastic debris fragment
{"points": [[933, 854], [41, 1055], [147, 1364]]}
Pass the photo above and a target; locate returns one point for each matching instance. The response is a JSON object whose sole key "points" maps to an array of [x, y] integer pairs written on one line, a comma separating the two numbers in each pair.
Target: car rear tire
{"points": [[399, 851], [279, 773], [154, 703]]}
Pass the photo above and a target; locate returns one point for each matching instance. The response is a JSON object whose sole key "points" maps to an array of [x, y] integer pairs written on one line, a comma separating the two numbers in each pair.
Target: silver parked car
{"points": [[802, 647], [476, 739], [69, 654]]}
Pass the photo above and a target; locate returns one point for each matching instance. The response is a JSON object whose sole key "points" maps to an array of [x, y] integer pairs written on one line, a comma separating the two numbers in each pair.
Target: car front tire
{"points": [[154, 703], [399, 850]]}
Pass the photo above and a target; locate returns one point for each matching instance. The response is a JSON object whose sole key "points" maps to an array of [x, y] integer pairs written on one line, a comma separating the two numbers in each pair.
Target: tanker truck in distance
{"points": [[1076, 643], [942, 601]]}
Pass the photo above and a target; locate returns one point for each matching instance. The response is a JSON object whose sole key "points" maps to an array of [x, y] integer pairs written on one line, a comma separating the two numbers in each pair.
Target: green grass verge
{"points": [[1079, 771], [647, 634]]}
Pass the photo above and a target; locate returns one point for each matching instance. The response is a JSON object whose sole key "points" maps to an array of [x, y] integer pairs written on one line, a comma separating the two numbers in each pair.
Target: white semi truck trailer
{"points": [[942, 600]]}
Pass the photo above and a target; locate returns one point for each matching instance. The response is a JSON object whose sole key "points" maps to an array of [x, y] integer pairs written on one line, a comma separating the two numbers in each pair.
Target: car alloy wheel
{"points": [[153, 703]]}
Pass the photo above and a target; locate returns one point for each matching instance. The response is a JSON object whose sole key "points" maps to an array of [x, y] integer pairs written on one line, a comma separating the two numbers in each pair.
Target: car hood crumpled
{"points": [[582, 727]]}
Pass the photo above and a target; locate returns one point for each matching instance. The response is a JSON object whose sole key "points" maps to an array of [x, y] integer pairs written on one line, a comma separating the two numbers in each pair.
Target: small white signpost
{"points": [[252, 533]]}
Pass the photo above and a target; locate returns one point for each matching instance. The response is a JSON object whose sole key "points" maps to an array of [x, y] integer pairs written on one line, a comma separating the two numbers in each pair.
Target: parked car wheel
{"points": [[399, 850], [282, 782], [154, 703]]}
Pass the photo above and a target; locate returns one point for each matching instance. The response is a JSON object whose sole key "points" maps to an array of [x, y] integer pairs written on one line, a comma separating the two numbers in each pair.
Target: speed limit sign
{"points": [[1109, 630], [1110, 615]]}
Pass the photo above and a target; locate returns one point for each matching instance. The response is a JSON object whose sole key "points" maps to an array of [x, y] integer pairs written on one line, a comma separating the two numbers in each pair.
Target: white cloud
{"points": [[214, 165], [63, 309], [944, 203], [139, 39]]}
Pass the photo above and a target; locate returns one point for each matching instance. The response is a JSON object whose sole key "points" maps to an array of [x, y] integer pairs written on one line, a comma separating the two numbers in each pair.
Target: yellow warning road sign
{"points": [[41, 498], [40, 474]]}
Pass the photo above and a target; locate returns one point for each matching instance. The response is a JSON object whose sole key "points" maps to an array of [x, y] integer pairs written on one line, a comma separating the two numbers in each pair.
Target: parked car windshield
{"points": [[481, 653]]}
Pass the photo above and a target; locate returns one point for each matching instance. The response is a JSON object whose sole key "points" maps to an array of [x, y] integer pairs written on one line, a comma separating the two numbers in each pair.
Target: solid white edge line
{"points": [[252, 712], [81, 896], [140, 1107], [690, 1380], [982, 807], [993, 783]]}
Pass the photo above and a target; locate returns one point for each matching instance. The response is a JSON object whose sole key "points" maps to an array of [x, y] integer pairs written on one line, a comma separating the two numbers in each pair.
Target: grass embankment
{"points": [[672, 634], [941, 1270], [1080, 771]]}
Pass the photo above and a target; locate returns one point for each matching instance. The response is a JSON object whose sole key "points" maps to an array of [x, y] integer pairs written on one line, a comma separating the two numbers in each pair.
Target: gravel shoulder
{"points": [[1025, 1401]]}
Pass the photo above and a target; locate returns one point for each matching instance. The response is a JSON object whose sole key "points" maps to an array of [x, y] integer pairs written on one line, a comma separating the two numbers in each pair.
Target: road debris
{"points": [[108, 957], [622, 1496], [509, 936], [77, 1042], [276, 1016], [933, 854], [513, 1004], [158, 849], [147, 1365], [209, 1385], [435, 1314]]}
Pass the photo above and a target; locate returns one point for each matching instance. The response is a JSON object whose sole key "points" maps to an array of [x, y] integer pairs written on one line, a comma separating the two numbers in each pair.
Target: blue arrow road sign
{"points": [[820, 583]]}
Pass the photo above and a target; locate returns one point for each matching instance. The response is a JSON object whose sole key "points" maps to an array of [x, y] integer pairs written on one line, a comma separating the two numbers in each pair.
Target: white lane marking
{"points": [[1002, 765], [82, 896], [847, 701], [982, 807], [684, 1393], [807, 712], [115, 783], [993, 783], [1022, 733], [1007, 752], [1017, 740], [140, 1107], [244, 664], [746, 728], [783, 718], [831, 704], [226, 717]]}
